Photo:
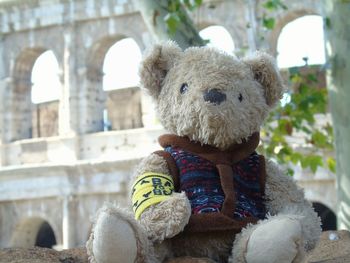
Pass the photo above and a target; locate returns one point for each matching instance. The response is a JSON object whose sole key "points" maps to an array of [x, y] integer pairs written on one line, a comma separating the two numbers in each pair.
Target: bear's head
{"points": [[209, 96]]}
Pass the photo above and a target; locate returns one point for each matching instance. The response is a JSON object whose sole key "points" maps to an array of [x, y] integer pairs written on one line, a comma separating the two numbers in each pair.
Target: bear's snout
{"points": [[214, 96]]}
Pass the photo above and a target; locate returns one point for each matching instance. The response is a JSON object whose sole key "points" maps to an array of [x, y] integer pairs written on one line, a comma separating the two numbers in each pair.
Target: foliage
{"points": [[176, 13], [296, 120], [271, 6], [297, 117]]}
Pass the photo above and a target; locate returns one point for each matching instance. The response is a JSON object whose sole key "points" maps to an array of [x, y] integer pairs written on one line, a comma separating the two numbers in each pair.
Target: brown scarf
{"points": [[223, 160]]}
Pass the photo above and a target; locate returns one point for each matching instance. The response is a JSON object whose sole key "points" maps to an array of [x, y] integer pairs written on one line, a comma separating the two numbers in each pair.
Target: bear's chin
{"points": [[215, 137], [213, 130]]}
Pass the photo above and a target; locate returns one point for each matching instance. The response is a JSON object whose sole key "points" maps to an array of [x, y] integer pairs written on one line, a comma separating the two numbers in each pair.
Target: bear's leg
{"points": [[277, 239], [118, 238]]}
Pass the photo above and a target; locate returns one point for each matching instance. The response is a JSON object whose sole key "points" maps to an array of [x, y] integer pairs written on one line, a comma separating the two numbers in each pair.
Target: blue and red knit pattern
{"points": [[249, 197], [200, 180]]}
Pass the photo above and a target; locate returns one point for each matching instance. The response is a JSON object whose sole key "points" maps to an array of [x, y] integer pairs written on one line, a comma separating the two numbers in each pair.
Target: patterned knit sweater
{"points": [[200, 180], [226, 192]]}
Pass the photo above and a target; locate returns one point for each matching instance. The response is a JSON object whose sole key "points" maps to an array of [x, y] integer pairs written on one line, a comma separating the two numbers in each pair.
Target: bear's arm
{"points": [[167, 218], [284, 197], [152, 163]]}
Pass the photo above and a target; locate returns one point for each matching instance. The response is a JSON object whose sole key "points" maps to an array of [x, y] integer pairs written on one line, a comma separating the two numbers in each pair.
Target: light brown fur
{"points": [[252, 86], [284, 198]]}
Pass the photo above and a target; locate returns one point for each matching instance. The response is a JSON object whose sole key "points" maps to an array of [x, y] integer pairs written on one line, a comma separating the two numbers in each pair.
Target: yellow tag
{"points": [[150, 189]]}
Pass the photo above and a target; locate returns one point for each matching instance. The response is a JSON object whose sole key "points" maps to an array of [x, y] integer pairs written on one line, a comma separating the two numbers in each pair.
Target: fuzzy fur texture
{"points": [[284, 197], [256, 81], [153, 163], [104, 243], [266, 73], [278, 240], [251, 86], [166, 219]]}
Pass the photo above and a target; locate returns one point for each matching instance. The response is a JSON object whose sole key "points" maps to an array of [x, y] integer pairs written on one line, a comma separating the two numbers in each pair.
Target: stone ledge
{"points": [[74, 255], [327, 251], [331, 251], [190, 260], [43, 255]]}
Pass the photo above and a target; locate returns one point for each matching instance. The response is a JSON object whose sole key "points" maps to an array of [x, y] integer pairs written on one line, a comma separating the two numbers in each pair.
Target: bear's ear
{"points": [[267, 74], [156, 64]]}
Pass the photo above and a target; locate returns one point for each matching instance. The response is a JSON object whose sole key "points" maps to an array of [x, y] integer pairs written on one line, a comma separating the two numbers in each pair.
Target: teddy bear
{"points": [[208, 193]]}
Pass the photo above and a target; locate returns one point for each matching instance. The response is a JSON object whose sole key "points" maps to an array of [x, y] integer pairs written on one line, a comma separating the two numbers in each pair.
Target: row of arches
{"points": [[45, 87], [115, 63], [122, 56]]}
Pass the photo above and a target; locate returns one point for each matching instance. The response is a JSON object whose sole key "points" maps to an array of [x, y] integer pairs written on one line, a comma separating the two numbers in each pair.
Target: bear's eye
{"points": [[184, 88], [240, 97]]}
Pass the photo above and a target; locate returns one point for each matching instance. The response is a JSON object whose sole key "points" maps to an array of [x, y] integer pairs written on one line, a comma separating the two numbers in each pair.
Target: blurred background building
{"points": [[74, 122]]}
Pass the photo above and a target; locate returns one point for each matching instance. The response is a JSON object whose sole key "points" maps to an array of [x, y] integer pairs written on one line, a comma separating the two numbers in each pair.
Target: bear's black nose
{"points": [[214, 96]]}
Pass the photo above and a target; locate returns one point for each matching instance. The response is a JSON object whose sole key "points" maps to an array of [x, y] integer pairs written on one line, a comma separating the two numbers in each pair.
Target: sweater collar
{"points": [[233, 154]]}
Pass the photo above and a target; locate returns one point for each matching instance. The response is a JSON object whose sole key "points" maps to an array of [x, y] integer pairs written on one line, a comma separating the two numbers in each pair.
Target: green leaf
{"points": [[304, 162], [314, 162], [270, 5], [172, 21], [327, 22], [331, 164], [273, 5], [285, 127], [319, 139], [174, 6], [269, 22], [186, 3], [329, 130], [312, 77], [290, 172], [295, 78], [296, 157], [198, 2], [191, 4]]}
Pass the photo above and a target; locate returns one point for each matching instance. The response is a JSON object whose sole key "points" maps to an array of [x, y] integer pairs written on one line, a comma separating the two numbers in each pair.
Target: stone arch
{"points": [[328, 217], [97, 55], [204, 24], [228, 47], [34, 231], [21, 105], [283, 21], [234, 22], [46, 236], [45, 95], [110, 99], [121, 65]]}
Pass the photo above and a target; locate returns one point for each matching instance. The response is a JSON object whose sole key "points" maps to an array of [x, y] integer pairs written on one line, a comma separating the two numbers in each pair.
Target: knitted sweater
{"points": [[225, 188]]}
